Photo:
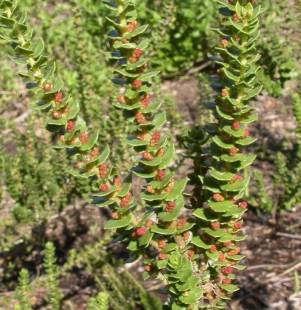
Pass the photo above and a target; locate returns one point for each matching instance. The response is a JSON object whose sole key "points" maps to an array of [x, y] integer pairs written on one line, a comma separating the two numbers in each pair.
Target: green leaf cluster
{"points": [[287, 176], [226, 178], [52, 277]]}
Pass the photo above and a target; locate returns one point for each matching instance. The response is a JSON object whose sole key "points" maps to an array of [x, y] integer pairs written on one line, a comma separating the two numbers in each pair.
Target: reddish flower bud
{"points": [[235, 125], [218, 197], [149, 223], [233, 151], [226, 281], [58, 97], [129, 196], [162, 256], [124, 202], [243, 204], [94, 152], [104, 187], [212, 248], [132, 59], [137, 53], [221, 257], [227, 244], [160, 175], [237, 225], [147, 156], [114, 216], [117, 182], [83, 137], [56, 114], [160, 152], [140, 231], [181, 222], [186, 235], [235, 18], [237, 177], [246, 133], [136, 84], [225, 92], [121, 99], [74, 141], [70, 126], [147, 268], [224, 43], [61, 138], [236, 38], [234, 252], [47, 87], [150, 189], [190, 254], [162, 243], [145, 101], [169, 187], [215, 225], [141, 137], [227, 270], [170, 206], [131, 26], [140, 118], [155, 138], [103, 170]]}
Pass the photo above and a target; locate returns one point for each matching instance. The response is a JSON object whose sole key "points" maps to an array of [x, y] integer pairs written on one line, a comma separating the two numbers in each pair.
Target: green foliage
{"points": [[52, 277], [296, 282], [110, 277], [100, 302], [92, 83], [69, 130], [296, 104], [287, 176], [161, 194], [277, 46], [181, 34], [225, 183], [118, 287], [23, 291], [182, 37], [36, 177], [261, 198]]}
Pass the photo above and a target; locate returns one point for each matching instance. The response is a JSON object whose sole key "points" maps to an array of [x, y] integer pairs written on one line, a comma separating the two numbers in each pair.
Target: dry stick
{"points": [[275, 278], [264, 266], [286, 235]]}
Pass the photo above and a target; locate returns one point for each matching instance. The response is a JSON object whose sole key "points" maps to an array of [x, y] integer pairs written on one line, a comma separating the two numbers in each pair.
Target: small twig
{"points": [[156, 287], [266, 266], [297, 237], [199, 68], [130, 265], [277, 277]]}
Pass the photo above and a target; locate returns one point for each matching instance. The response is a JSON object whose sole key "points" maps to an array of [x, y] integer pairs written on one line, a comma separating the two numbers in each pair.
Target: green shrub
{"points": [[52, 277], [100, 302], [23, 291], [181, 32], [36, 177], [277, 45], [286, 191]]}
